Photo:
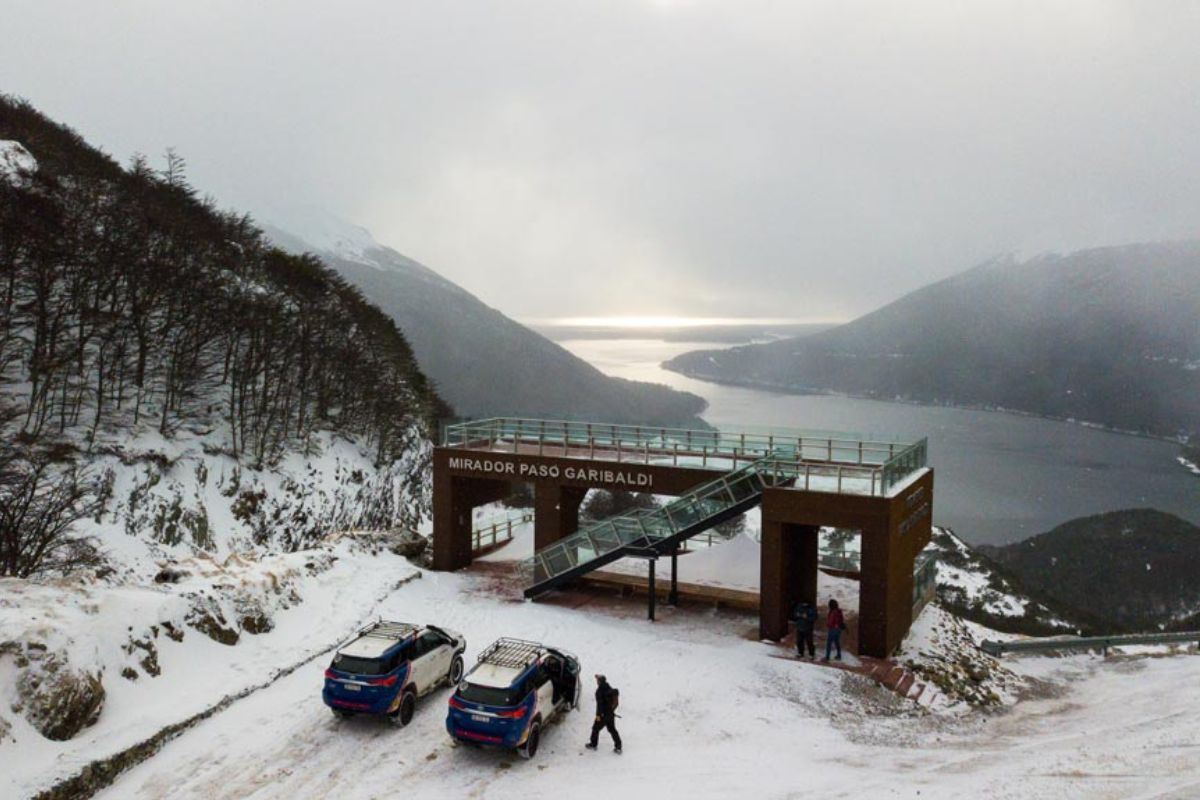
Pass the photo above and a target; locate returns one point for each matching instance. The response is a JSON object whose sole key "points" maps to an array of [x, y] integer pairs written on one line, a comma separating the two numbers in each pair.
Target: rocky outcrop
{"points": [[206, 616], [407, 543], [56, 698]]}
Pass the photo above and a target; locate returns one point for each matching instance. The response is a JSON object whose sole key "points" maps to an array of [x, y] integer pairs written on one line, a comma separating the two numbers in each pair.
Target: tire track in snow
{"points": [[101, 773]]}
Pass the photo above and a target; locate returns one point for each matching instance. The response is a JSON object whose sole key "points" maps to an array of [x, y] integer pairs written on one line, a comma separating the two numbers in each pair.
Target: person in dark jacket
{"points": [[606, 714], [835, 623], [805, 615]]}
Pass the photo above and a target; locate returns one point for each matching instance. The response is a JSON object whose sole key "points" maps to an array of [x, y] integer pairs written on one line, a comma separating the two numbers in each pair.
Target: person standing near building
{"points": [[835, 623], [805, 616], [607, 699]]}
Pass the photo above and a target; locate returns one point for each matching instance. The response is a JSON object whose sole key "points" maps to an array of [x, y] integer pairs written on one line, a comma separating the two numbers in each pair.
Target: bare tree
{"points": [[40, 502]]}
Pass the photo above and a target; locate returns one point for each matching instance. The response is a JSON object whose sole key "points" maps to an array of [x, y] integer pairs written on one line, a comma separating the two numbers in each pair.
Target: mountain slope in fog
{"points": [[483, 363], [1110, 336], [1121, 571]]}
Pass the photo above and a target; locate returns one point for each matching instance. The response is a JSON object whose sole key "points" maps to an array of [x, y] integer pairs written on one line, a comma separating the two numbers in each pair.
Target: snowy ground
{"points": [[313, 598], [706, 713]]}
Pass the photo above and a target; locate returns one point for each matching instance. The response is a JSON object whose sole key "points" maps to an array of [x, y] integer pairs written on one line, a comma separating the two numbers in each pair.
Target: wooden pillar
{"points": [[889, 550], [556, 512], [454, 501], [877, 615]]}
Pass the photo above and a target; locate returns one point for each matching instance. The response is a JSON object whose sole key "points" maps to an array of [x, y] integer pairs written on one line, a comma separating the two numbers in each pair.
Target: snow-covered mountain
{"points": [[483, 363], [974, 587]]}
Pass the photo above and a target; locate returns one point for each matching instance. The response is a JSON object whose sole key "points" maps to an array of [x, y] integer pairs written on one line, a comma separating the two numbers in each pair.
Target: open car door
{"points": [[571, 669]]}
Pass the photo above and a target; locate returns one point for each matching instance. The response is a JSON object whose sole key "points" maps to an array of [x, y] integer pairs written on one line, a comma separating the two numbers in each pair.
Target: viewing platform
{"points": [[879, 486], [813, 460]]}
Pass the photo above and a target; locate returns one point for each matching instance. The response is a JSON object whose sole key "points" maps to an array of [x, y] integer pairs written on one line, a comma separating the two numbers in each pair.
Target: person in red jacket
{"points": [[835, 623]]}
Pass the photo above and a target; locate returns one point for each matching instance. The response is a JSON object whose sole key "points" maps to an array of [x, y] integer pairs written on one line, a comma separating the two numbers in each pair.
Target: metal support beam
{"points": [[653, 592], [673, 598]]}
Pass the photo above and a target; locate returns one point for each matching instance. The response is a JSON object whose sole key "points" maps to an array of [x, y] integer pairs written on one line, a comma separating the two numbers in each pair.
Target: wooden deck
{"points": [[718, 596]]}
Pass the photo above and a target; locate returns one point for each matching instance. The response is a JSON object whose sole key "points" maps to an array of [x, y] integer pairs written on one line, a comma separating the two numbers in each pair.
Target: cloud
{"points": [[656, 158]]}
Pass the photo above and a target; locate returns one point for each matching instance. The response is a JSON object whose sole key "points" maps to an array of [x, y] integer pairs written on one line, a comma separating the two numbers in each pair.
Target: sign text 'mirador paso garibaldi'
{"points": [[526, 470]]}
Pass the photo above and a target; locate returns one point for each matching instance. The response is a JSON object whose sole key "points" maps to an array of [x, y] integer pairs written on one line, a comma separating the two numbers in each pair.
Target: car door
{"points": [[571, 668], [442, 651], [428, 667], [418, 657], [545, 691]]}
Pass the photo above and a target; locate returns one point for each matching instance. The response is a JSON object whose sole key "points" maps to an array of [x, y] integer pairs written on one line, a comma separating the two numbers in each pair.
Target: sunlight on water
{"points": [[669, 322]]}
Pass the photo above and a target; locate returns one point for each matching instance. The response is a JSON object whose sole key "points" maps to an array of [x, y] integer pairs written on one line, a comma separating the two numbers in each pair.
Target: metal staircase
{"points": [[655, 532]]}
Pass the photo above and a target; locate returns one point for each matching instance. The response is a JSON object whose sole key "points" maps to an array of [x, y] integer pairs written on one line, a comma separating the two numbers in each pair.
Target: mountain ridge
{"points": [[485, 363], [1109, 336]]}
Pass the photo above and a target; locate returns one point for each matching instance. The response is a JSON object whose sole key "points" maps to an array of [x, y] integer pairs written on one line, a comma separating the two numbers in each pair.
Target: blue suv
{"points": [[514, 690], [388, 665]]}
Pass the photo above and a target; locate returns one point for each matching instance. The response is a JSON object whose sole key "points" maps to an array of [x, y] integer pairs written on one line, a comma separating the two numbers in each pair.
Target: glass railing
{"points": [[924, 580], [595, 439], [840, 559], [906, 462]]}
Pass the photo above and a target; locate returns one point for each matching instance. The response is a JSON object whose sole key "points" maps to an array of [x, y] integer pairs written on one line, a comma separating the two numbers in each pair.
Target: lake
{"points": [[999, 477]]}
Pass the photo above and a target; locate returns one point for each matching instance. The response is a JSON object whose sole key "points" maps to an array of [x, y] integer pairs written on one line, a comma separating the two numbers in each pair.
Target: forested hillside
{"points": [[1109, 336], [484, 363], [139, 324], [1126, 570]]}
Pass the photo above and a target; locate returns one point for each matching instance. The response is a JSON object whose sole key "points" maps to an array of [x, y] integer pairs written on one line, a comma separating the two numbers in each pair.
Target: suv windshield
{"points": [[490, 695], [359, 666]]}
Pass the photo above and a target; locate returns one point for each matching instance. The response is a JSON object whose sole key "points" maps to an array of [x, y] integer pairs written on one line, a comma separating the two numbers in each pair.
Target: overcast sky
{"points": [[786, 159]]}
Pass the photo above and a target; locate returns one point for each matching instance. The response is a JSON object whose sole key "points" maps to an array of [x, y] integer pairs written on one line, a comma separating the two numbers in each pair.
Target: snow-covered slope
{"points": [[705, 713], [971, 585], [122, 661], [168, 498]]}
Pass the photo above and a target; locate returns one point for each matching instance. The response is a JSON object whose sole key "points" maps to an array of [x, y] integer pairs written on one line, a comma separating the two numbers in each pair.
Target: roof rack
{"points": [[511, 653], [399, 631]]}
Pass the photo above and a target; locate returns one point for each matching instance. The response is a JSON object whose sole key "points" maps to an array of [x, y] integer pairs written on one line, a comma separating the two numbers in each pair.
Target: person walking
{"points": [[835, 623], [607, 699], [805, 616]]}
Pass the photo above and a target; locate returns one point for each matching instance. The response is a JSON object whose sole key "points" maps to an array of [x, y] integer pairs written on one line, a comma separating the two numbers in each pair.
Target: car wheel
{"points": [[529, 749], [456, 672], [404, 714]]}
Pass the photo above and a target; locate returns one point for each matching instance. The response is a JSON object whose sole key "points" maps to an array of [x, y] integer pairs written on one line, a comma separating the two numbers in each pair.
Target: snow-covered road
{"points": [[706, 713]]}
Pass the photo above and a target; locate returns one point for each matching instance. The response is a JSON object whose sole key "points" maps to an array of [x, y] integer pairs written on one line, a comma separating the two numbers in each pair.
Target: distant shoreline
{"points": [[792, 390]]}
